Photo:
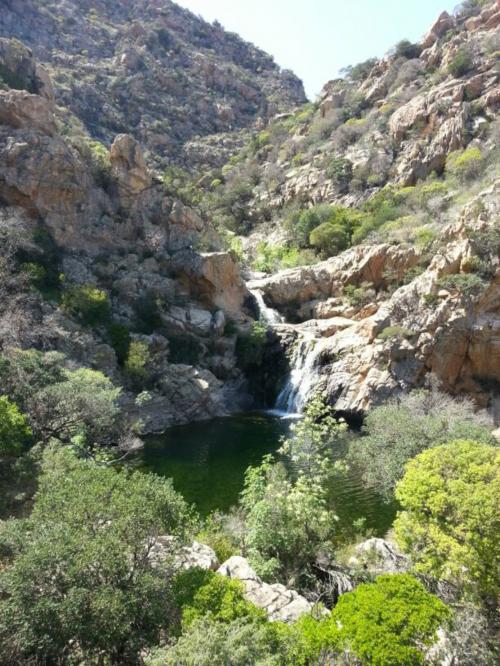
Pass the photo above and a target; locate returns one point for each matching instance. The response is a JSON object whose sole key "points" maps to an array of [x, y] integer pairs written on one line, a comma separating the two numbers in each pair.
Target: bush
{"points": [[405, 49], [389, 622], [465, 165], [395, 332], [79, 581], [15, 432], [147, 314], [339, 170], [468, 284], [399, 430], [250, 346], [202, 593], [136, 363], [330, 238], [461, 63], [87, 303], [449, 521]]}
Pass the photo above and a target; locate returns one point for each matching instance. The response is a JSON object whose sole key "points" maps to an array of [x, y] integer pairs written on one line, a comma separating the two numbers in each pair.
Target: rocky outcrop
{"points": [[420, 329], [151, 69], [128, 166], [279, 602]]}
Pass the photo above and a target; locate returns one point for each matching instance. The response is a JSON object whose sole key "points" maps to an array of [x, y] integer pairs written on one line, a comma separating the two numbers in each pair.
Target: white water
{"points": [[266, 313], [303, 376]]}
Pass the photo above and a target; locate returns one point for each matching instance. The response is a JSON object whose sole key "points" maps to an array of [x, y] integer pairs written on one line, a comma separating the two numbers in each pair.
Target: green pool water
{"points": [[207, 462]]}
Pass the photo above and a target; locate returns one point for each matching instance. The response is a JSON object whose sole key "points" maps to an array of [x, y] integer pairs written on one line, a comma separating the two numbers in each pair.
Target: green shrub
{"points": [[87, 303], [250, 346], [405, 49], [136, 363], [399, 430], [35, 272], [184, 349], [395, 332], [461, 63], [389, 622], [207, 594], [339, 170], [15, 432], [358, 295], [449, 521], [465, 165], [329, 238], [468, 284]]}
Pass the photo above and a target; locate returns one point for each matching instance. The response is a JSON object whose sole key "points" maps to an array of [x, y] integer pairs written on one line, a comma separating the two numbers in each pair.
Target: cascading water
{"points": [[266, 314], [303, 377]]}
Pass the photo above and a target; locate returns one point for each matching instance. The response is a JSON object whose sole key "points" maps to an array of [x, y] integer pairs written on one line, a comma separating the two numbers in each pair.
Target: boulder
{"points": [[196, 555], [20, 109], [442, 24], [379, 556], [279, 602]]}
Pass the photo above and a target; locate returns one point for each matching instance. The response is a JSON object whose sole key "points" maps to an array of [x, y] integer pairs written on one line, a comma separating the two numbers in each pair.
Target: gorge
{"points": [[249, 345]]}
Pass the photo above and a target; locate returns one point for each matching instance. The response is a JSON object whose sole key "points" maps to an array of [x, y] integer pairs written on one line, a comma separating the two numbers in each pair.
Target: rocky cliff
{"points": [[405, 148], [107, 232], [150, 69]]}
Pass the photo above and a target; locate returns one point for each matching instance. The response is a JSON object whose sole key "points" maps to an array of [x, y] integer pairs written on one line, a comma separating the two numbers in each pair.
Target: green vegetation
{"points": [[250, 346], [271, 258], [461, 63], [87, 303], [468, 284], [449, 521], [287, 521], [399, 430], [395, 332], [185, 349], [465, 164], [15, 432], [389, 622], [136, 363]]}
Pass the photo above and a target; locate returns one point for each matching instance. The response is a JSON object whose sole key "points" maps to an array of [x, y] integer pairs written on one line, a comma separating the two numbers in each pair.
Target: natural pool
{"points": [[207, 462]]}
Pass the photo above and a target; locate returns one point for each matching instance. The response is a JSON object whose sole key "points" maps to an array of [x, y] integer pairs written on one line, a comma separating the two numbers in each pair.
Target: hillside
{"points": [[151, 69]]}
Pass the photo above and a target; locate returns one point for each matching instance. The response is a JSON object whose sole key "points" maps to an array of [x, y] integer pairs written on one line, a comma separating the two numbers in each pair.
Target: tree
{"points": [[397, 431], [77, 580], [83, 403], [449, 521], [389, 622], [287, 521], [314, 438], [87, 303], [15, 432]]}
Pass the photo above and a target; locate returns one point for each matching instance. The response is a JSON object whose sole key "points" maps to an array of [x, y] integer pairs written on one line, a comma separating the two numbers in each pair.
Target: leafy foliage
{"points": [[250, 346], [450, 519], [15, 432], [399, 430], [465, 165], [287, 521], [388, 622], [79, 581], [136, 364], [88, 303]]}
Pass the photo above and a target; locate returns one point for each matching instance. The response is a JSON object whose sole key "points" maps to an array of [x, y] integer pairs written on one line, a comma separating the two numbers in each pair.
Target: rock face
{"points": [[151, 69], [278, 602], [393, 344], [105, 220]]}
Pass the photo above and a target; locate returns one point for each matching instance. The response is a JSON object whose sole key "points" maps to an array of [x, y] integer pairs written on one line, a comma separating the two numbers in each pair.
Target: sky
{"points": [[316, 38]]}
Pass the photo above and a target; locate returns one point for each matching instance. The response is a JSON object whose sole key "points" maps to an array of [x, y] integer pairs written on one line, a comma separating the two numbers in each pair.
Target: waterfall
{"points": [[266, 313], [303, 376]]}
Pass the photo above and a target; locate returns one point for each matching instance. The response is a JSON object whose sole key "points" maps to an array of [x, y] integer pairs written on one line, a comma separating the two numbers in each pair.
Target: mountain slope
{"points": [[149, 68]]}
